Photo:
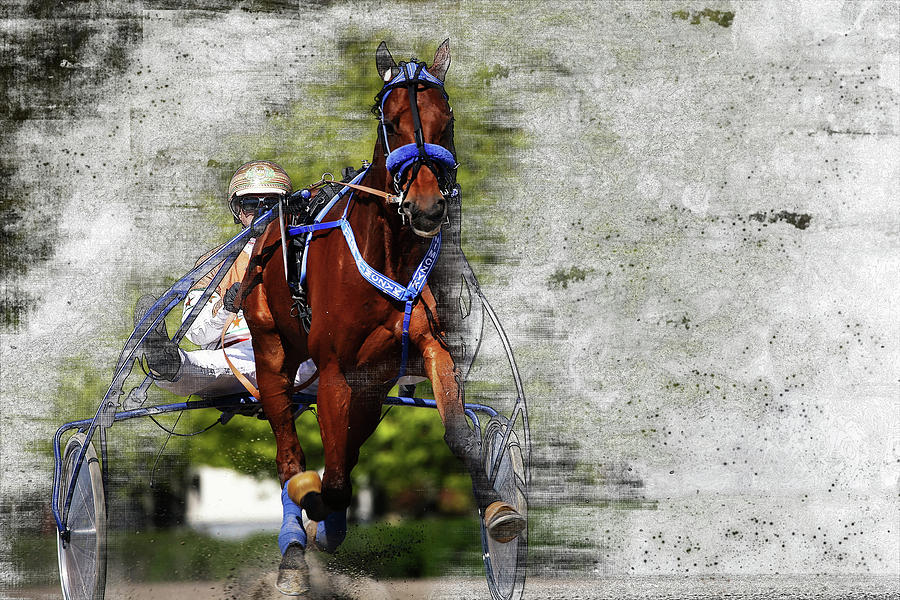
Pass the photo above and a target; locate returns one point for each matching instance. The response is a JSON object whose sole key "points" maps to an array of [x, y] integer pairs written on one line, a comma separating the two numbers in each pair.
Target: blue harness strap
{"points": [[394, 289], [407, 294], [440, 160], [318, 225]]}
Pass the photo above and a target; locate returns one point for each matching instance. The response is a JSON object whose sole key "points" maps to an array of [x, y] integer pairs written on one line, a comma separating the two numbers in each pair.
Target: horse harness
{"points": [[404, 164]]}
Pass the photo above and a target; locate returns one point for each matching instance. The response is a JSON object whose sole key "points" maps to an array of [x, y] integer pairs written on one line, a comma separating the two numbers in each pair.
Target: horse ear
{"points": [[385, 62], [441, 60]]}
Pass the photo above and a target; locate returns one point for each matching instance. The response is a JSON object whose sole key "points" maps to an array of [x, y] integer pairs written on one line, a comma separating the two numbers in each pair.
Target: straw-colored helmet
{"points": [[257, 177]]}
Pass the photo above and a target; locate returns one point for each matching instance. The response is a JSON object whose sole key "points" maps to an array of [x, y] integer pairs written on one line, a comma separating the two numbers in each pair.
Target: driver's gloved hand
{"points": [[231, 302], [162, 354]]}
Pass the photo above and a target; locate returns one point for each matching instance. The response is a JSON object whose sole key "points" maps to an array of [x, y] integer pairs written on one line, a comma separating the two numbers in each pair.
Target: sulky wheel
{"points": [[504, 563], [82, 557]]}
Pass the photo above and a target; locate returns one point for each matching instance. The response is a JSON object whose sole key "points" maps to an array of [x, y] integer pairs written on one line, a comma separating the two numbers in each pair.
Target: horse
{"points": [[363, 334]]}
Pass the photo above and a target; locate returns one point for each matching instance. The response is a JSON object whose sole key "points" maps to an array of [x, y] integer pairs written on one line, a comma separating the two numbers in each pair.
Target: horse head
{"points": [[416, 135]]}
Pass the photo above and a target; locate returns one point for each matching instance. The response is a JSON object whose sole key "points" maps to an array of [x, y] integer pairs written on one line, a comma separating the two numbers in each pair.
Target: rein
{"points": [[244, 380], [391, 198]]}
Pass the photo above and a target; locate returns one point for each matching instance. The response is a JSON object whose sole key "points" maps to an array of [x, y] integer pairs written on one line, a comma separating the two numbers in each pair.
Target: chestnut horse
{"points": [[361, 338]]}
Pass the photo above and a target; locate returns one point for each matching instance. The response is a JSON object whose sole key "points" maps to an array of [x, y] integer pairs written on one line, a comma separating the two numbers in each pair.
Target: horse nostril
{"points": [[437, 211], [406, 205]]}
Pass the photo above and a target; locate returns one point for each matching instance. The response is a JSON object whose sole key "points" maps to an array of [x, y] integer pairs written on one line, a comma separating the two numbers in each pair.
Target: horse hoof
{"points": [[503, 521], [293, 573], [302, 484]]}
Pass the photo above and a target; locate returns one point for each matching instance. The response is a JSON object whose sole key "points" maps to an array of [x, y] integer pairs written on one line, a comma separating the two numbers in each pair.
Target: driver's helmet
{"points": [[256, 177]]}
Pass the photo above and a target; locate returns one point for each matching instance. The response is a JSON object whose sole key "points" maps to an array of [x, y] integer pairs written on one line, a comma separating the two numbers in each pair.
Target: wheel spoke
{"points": [[82, 559], [502, 459], [79, 578], [89, 550], [86, 501]]}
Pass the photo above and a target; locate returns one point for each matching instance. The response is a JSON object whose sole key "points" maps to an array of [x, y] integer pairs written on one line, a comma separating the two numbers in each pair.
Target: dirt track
{"points": [[760, 587], [262, 590], [254, 585]]}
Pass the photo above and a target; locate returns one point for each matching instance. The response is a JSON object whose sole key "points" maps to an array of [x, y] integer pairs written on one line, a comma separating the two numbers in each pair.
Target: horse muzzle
{"points": [[425, 223]]}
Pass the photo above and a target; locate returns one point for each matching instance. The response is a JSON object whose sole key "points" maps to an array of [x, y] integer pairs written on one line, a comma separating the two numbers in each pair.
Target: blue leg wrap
{"points": [[291, 526], [332, 531]]}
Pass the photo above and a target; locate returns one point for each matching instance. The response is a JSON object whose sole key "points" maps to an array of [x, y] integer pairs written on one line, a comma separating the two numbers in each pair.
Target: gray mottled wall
{"points": [[698, 264]]}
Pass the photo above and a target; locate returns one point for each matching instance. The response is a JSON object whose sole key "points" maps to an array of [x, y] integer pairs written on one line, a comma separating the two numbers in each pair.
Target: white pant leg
{"points": [[306, 371], [205, 373]]}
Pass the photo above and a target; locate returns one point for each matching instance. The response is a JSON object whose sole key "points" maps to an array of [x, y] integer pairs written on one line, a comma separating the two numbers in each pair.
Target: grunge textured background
{"points": [[694, 246]]}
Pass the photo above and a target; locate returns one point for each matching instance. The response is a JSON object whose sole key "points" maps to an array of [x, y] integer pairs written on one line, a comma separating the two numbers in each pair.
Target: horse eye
{"points": [[389, 127]]}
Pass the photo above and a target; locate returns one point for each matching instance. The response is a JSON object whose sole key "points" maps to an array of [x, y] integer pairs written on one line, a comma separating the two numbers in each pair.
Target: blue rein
{"points": [[407, 294]]}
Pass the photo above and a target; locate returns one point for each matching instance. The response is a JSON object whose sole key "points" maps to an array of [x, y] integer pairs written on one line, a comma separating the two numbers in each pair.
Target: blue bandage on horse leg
{"points": [[332, 531], [291, 525]]}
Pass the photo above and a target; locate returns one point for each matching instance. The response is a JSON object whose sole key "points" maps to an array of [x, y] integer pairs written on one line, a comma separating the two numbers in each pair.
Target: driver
{"points": [[206, 372]]}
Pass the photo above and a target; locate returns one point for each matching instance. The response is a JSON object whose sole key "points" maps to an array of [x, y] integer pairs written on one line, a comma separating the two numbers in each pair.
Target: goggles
{"points": [[251, 202], [248, 203]]}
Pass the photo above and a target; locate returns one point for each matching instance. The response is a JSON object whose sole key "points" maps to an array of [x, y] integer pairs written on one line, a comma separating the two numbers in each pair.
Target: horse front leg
{"points": [[501, 519], [347, 417], [276, 367], [275, 377], [275, 387], [278, 347]]}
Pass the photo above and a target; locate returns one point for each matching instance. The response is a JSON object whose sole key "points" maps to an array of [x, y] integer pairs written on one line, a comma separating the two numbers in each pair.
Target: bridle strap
{"points": [[412, 89], [411, 84]]}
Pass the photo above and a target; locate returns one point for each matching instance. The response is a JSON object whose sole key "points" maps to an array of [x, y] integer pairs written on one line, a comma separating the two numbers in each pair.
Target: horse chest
{"points": [[379, 344]]}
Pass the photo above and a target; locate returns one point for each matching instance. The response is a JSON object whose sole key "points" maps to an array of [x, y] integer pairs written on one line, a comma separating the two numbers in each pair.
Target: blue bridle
{"points": [[404, 162]]}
